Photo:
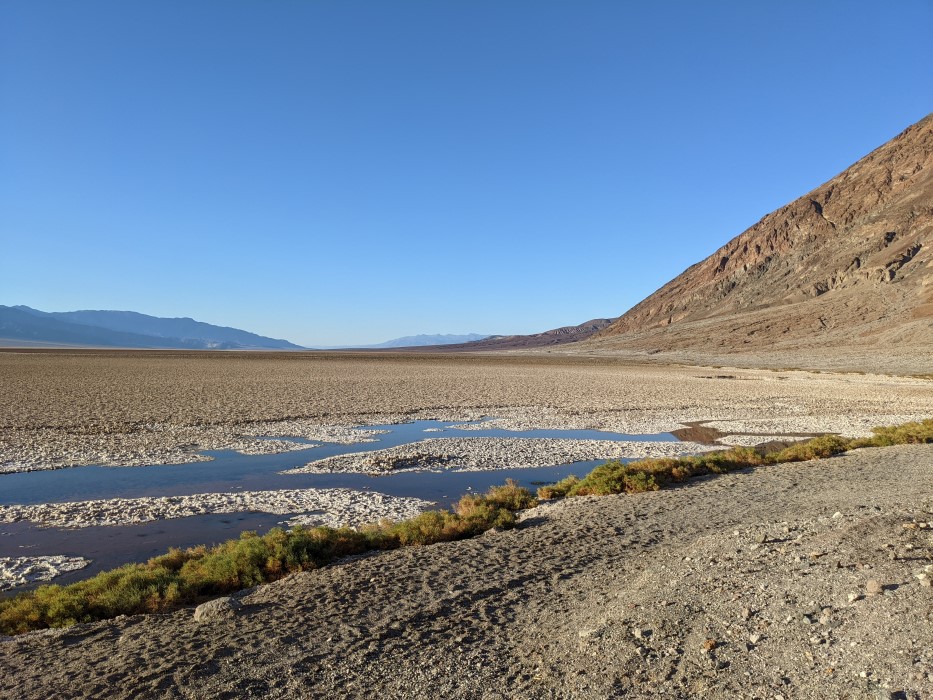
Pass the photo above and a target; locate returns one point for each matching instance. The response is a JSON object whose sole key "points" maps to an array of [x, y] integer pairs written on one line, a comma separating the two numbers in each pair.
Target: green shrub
{"points": [[817, 448], [558, 490], [909, 433], [511, 496]]}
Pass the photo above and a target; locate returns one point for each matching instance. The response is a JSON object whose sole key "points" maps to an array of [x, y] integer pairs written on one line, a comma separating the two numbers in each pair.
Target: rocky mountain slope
{"points": [[556, 336], [846, 264]]}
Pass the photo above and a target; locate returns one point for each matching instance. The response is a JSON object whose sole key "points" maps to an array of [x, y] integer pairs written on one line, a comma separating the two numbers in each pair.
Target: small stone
{"points": [[709, 645], [873, 587], [217, 609], [746, 613], [837, 515], [754, 638]]}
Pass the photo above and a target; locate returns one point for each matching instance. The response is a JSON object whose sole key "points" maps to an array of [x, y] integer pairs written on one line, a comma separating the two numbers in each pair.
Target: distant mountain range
{"points": [[125, 329], [417, 341]]}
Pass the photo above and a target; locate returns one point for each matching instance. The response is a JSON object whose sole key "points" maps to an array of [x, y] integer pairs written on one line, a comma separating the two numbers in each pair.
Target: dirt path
{"points": [[736, 586]]}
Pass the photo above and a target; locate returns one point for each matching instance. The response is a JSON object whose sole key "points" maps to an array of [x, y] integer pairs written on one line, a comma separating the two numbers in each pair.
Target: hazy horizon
{"points": [[346, 174]]}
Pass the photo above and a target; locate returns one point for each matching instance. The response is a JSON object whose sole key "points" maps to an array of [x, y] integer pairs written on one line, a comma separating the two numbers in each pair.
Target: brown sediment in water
{"points": [[698, 431]]}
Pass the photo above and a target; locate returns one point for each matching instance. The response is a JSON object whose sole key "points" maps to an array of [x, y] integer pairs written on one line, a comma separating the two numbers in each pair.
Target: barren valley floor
{"points": [[753, 584]]}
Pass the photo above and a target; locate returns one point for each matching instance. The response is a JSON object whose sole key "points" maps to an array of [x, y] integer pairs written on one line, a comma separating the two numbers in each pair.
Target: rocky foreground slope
{"points": [[807, 580], [850, 263]]}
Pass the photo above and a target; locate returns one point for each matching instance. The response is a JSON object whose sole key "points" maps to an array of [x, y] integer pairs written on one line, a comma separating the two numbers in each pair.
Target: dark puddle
{"points": [[229, 471]]}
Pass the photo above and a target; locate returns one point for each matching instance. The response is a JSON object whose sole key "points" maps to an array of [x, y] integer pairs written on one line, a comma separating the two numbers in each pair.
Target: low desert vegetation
{"points": [[652, 474], [186, 577]]}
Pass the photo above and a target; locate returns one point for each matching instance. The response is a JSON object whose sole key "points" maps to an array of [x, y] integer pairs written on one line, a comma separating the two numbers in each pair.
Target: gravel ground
{"points": [[794, 581], [332, 507]]}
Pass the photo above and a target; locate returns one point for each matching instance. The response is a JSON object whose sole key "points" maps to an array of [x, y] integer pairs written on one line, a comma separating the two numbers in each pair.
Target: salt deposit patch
{"points": [[748, 440], [331, 507], [848, 426], [19, 571], [480, 454], [163, 443]]}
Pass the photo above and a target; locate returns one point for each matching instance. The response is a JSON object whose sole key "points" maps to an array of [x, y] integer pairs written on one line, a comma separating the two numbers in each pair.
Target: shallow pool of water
{"points": [[230, 471]]}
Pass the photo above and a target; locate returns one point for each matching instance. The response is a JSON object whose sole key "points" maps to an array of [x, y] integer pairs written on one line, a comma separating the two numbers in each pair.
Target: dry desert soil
{"points": [[807, 580]]}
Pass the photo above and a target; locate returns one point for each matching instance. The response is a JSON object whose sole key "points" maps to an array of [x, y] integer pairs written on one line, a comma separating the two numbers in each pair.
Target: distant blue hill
{"points": [[126, 329], [423, 340]]}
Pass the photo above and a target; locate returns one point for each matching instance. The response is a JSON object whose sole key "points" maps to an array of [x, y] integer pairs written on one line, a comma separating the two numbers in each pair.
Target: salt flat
{"points": [[100, 407], [719, 587]]}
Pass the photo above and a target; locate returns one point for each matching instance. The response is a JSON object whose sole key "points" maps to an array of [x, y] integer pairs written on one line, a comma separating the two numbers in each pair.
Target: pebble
{"points": [[873, 587], [217, 609]]}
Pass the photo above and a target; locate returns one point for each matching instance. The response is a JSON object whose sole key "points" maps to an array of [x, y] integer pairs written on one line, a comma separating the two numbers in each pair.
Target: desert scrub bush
{"points": [[558, 489], [651, 474], [510, 496], [817, 448], [615, 477], [909, 433], [183, 577]]}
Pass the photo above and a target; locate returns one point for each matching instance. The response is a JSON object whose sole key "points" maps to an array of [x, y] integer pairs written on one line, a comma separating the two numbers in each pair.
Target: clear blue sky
{"points": [[348, 172]]}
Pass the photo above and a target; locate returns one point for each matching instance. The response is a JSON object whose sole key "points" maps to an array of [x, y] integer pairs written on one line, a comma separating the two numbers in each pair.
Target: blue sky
{"points": [[348, 172]]}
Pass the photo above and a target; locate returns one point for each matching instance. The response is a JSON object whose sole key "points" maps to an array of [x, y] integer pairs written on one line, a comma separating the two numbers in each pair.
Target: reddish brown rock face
{"points": [[848, 262]]}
